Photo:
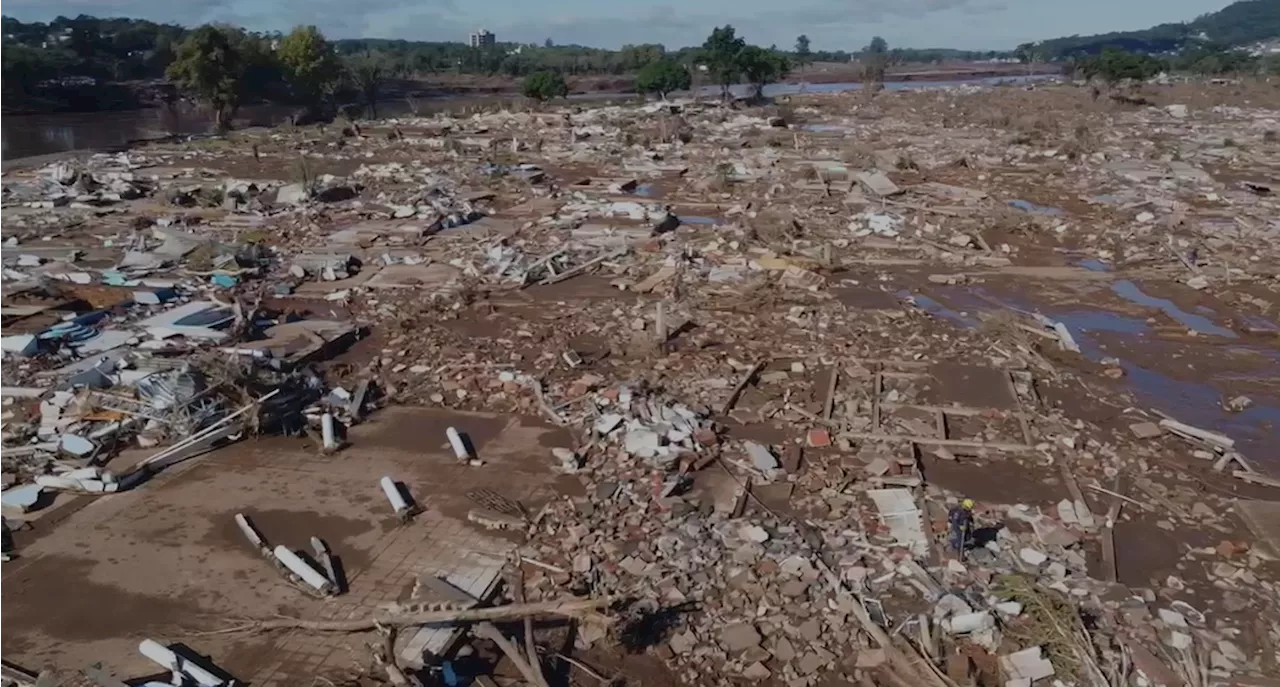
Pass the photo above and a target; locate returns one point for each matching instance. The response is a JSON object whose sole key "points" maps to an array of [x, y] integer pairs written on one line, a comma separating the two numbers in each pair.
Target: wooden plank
{"points": [[877, 389], [1255, 478], [828, 405], [1109, 571], [741, 386], [1077, 496], [931, 441], [475, 580]]}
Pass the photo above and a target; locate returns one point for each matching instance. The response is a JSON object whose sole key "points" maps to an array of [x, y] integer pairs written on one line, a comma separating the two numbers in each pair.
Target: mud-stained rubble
{"points": [[709, 378]]}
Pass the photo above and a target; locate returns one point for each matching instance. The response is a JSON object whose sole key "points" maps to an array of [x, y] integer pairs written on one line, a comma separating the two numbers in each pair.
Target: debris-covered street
{"points": [[705, 391]]}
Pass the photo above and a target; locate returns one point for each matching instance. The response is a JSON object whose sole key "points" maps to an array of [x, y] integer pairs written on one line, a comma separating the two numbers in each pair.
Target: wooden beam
{"points": [[931, 441], [741, 386]]}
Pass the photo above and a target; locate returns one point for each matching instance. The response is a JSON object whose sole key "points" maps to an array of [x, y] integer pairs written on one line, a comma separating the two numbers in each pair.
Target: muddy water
{"points": [[1098, 331], [42, 134]]}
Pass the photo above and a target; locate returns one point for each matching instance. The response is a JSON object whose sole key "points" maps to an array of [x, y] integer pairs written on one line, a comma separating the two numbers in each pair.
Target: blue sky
{"points": [[830, 24]]}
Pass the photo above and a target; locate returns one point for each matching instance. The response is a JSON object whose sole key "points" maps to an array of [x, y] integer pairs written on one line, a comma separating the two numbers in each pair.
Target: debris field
{"points": [[698, 387]]}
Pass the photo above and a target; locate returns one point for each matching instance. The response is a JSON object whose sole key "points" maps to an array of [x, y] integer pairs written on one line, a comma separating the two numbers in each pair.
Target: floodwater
{"points": [[1130, 292], [42, 134], [1197, 402]]}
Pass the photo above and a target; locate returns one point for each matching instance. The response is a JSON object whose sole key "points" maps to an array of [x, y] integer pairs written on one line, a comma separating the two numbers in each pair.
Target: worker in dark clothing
{"points": [[5, 541], [960, 521]]}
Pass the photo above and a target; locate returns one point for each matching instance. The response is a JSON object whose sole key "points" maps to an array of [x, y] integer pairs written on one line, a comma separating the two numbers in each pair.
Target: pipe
{"points": [[459, 446], [249, 532], [168, 659], [326, 429], [394, 495], [300, 568]]}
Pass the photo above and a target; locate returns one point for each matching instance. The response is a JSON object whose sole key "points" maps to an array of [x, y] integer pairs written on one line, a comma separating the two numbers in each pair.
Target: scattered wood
{"points": [[907, 669], [585, 266], [489, 631]]}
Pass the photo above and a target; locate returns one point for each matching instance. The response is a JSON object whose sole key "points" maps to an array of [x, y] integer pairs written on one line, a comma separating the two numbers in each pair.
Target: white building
{"points": [[483, 39]]}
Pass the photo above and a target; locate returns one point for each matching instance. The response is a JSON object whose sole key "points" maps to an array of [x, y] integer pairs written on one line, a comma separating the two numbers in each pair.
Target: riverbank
{"points": [[125, 96]]}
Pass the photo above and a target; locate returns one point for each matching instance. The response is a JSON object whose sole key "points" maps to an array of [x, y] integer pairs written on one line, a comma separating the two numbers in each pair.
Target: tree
{"points": [[760, 67], [310, 66], [548, 44], [720, 55], [875, 62], [1115, 65], [209, 65], [663, 77], [1028, 54], [368, 71], [545, 85], [803, 55]]}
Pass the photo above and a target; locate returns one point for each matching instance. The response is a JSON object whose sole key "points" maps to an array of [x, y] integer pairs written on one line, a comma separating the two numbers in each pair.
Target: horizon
{"points": [[977, 25]]}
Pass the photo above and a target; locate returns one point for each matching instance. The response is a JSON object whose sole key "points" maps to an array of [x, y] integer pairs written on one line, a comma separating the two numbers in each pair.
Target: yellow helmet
{"points": [[967, 503]]}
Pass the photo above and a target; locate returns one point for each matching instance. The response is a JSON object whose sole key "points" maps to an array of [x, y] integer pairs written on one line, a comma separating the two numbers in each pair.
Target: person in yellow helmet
{"points": [[960, 522]]}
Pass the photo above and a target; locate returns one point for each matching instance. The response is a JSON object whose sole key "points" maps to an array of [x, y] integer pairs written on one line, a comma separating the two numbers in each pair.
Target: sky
{"points": [[830, 24]]}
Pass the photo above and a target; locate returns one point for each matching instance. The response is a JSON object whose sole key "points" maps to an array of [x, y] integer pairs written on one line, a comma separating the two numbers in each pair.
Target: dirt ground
{"points": [[168, 561]]}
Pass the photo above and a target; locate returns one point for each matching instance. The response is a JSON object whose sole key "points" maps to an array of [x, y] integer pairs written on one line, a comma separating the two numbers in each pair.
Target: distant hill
{"points": [[1236, 25]]}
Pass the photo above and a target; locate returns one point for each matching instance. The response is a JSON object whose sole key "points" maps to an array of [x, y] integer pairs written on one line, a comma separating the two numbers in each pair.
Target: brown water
{"points": [[28, 135]]}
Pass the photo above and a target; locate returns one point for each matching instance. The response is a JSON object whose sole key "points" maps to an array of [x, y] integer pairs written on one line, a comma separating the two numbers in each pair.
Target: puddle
{"points": [[1198, 404], [824, 128], [698, 219], [1028, 206], [1095, 265], [1130, 292], [937, 309], [1084, 321], [646, 191]]}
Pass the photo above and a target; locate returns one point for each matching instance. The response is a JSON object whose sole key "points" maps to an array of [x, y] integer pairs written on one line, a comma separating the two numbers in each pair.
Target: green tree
{"points": [[803, 55], [760, 66], [663, 77], [368, 72], [720, 55], [545, 85], [209, 65], [310, 65], [878, 46]]}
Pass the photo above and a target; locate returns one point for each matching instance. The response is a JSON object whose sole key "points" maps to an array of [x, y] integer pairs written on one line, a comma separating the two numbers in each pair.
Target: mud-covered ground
{"points": [[1142, 221]]}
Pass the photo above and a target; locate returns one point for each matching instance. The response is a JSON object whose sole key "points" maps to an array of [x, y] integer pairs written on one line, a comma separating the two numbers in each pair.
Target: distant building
{"points": [[483, 39]]}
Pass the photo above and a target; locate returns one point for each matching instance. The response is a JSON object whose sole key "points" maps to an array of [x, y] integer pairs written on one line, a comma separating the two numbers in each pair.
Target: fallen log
{"points": [[400, 617]]}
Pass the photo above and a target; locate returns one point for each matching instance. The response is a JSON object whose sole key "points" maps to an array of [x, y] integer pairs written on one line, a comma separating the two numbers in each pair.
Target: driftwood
{"points": [[400, 617]]}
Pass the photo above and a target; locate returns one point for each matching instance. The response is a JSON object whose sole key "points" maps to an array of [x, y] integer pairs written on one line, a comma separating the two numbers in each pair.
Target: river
{"points": [[41, 134]]}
